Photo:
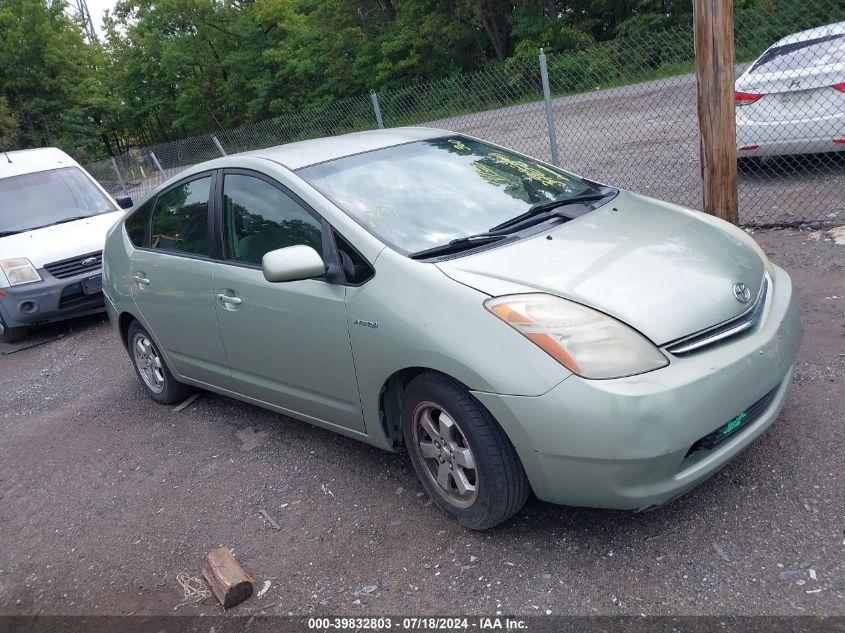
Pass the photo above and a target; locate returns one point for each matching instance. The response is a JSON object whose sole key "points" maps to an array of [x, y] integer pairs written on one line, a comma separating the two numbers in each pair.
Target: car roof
{"points": [[319, 150], [27, 161], [837, 28]]}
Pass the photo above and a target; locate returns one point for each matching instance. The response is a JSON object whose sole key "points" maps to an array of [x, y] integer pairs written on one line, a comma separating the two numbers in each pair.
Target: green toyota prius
{"points": [[515, 327]]}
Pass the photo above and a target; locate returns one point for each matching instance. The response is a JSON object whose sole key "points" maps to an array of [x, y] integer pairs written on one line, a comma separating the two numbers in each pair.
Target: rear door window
{"points": [[180, 221]]}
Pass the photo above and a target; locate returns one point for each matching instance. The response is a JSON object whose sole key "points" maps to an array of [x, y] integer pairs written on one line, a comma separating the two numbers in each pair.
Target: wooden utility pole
{"points": [[714, 70]]}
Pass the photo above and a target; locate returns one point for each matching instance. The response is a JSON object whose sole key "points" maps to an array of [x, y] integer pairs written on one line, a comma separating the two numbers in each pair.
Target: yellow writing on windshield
{"points": [[459, 145], [541, 174], [378, 212], [492, 176]]}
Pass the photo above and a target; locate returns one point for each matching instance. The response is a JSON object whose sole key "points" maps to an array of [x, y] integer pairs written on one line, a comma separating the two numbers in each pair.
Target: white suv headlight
{"points": [[19, 271], [583, 340]]}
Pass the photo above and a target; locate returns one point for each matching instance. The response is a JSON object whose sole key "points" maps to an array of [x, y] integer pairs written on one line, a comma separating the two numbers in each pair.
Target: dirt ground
{"points": [[105, 497]]}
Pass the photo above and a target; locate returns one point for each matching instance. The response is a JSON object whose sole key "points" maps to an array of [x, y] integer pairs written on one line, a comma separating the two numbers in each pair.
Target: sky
{"points": [[97, 8]]}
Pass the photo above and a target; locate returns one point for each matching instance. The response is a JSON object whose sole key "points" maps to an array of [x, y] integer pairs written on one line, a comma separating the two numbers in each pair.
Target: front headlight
{"points": [[583, 340], [19, 271]]}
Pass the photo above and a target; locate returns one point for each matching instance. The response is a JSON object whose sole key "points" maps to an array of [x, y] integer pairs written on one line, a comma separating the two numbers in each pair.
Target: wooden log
{"points": [[714, 69], [226, 578]]}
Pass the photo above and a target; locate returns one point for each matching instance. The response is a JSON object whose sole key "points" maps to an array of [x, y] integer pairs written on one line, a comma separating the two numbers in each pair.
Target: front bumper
{"points": [[625, 443], [53, 300]]}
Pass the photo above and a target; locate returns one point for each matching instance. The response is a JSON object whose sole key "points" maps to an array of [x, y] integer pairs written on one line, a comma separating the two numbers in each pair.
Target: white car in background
{"points": [[791, 100], [53, 222]]}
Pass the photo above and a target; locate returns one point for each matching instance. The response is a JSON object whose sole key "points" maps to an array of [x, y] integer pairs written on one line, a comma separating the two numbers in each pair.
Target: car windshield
{"points": [[426, 193], [821, 51], [42, 198]]}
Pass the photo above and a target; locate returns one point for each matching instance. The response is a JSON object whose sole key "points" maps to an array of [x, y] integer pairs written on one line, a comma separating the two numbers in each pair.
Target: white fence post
{"points": [[119, 176], [377, 109], [218, 145], [550, 119], [156, 163]]}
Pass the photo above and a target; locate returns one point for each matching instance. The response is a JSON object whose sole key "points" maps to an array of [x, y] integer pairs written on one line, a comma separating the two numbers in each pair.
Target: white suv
{"points": [[53, 222]]}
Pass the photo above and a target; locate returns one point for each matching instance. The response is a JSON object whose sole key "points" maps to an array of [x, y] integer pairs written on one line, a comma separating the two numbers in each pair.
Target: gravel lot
{"points": [[105, 497]]}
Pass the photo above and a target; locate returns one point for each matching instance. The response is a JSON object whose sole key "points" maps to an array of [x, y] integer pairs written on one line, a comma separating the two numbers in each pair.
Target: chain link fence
{"points": [[621, 112]]}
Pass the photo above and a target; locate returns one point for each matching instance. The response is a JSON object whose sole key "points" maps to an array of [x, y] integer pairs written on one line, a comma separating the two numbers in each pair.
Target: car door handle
{"points": [[141, 280], [232, 301]]}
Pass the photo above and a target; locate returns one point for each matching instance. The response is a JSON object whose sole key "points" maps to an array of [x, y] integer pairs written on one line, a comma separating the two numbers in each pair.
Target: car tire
{"points": [[152, 370], [11, 334], [446, 430]]}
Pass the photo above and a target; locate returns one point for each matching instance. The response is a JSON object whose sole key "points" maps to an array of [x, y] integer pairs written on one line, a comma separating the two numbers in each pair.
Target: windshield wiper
{"points": [[62, 221], [544, 207], [457, 245], [502, 230], [7, 233]]}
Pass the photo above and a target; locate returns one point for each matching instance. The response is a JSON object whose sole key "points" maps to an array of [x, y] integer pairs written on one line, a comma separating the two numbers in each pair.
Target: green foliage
{"points": [[168, 69], [9, 129], [760, 23], [48, 75], [533, 29]]}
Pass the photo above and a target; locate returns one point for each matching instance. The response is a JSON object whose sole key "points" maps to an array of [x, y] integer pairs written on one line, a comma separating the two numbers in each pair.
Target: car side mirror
{"points": [[292, 263], [124, 202]]}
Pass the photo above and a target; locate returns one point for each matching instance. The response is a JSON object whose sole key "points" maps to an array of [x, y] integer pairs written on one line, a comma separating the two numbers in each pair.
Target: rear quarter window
{"points": [[180, 220], [136, 224]]}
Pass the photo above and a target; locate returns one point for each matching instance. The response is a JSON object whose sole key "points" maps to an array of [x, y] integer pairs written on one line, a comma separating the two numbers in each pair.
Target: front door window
{"points": [[258, 218]]}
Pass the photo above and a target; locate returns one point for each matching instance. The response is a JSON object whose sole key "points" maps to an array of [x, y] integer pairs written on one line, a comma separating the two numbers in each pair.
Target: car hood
{"points": [[60, 241], [664, 270]]}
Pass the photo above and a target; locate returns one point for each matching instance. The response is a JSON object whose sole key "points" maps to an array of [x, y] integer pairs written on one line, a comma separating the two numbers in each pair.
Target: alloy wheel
{"points": [[445, 454], [148, 362]]}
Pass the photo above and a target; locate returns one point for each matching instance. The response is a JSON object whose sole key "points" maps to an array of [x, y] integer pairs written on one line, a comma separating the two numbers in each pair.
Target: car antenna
{"points": [[7, 156]]}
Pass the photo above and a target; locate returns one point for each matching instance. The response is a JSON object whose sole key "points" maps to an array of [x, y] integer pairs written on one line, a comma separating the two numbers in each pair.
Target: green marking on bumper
{"points": [[733, 424]]}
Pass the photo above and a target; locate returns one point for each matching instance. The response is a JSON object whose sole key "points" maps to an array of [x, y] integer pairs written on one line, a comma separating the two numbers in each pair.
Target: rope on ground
{"points": [[193, 589]]}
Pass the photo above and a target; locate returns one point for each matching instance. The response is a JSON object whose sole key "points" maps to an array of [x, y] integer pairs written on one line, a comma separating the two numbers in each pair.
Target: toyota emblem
{"points": [[742, 293]]}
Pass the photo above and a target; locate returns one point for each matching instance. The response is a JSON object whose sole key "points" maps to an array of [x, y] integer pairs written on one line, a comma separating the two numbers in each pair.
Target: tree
{"points": [[173, 68], [180, 67], [9, 129], [48, 75]]}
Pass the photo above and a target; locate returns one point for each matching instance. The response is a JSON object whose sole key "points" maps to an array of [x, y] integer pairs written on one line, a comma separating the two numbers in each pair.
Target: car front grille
{"points": [[729, 329], [733, 427], [74, 266]]}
